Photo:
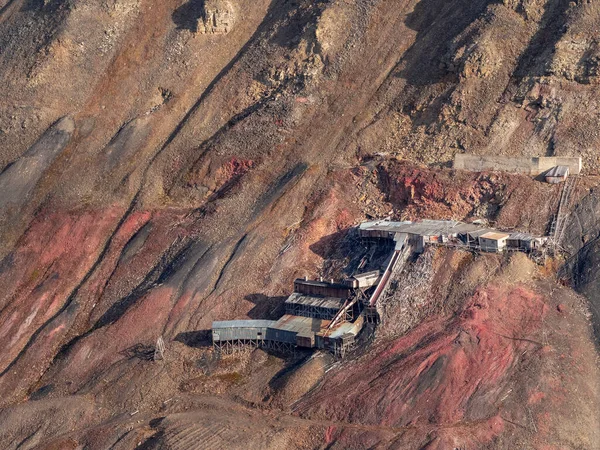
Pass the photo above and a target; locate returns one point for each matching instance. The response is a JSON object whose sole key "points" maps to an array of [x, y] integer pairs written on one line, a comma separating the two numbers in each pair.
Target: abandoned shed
{"points": [[418, 233], [557, 174], [296, 330], [363, 280], [341, 338], [520, 241], [493, 241], [447, 232], [322, 288], [240, 332], [286, 333], [472, 237]]}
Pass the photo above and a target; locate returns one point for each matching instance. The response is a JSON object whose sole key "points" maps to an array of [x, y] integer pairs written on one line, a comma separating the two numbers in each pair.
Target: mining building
{"points": [[318, 314], [330, 315]]}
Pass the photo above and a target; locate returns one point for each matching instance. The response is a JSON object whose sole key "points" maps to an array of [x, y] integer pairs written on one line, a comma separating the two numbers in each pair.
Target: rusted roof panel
{"points": [[495, 236], [300, 324], [316, 302]]}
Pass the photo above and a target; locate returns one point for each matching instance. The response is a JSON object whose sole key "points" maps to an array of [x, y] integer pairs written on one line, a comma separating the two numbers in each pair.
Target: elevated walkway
{"points": [[395, 266]]}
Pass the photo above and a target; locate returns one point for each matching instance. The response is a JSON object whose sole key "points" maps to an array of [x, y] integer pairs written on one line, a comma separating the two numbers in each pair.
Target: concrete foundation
{"points": [[524, 165]]}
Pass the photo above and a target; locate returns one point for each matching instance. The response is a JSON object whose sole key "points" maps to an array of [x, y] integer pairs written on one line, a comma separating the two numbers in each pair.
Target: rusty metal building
{"points": [[297, 330], [322, 288], [286, 334], [340, 339], [228, 334], [520, 241], [326, 308]]}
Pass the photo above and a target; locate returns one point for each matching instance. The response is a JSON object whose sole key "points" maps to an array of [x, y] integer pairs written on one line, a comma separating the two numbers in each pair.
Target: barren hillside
{"points": [[166, 164]]}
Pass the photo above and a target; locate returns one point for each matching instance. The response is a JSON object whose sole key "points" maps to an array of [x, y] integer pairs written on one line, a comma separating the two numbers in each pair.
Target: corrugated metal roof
{"points": [[380, 224], [317, 302], [439, 222], [383, 225], [429, 228], [300, 324], [243, 324], [465, 228], [558, 171]]}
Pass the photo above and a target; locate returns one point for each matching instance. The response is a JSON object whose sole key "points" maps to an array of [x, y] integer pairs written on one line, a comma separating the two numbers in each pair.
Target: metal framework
{"points": [[242, 345], [346, 314], [317, 308], [159, 351], [371, 315], [340, 347], [316, 312]]}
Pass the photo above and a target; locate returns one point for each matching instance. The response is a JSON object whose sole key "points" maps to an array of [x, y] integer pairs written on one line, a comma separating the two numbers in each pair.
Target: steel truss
{"points": [[243, 345], [316, 312]]}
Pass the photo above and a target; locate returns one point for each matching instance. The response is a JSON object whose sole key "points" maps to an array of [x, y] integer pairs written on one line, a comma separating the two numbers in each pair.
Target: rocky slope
{"points": [[485, 378], [165, 164]]}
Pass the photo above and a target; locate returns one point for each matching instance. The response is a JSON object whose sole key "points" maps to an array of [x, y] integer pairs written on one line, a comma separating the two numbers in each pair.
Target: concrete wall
{"points": [[529, 166]]}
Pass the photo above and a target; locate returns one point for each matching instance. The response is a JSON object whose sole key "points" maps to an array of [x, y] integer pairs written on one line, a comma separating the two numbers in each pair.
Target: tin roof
{"points": [[376, 224], [495, 235], [301, 325], [242, 324], [465, 228], [558, 171], [317, 302], [479, 232]]}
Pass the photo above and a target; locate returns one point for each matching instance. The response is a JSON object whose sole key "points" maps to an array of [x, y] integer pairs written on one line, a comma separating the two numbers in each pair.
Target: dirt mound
{"points": [[293, 385]]}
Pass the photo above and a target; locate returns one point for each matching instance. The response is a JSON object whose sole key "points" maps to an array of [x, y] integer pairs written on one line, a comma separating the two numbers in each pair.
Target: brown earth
{"points": [[485, 377], [157, 175]]}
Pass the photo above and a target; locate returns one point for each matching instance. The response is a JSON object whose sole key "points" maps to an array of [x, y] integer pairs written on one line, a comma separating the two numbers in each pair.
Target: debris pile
{"points": [[218, 17]]}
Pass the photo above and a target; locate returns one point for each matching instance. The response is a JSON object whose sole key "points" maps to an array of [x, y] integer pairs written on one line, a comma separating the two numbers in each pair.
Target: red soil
{"points": [[449, 194], [442, 373], [52, 258]]}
